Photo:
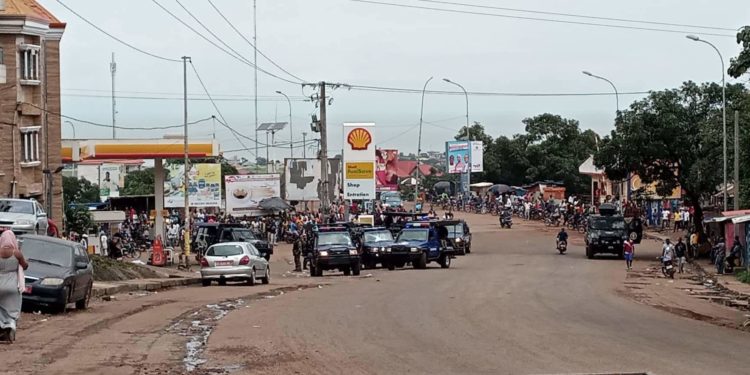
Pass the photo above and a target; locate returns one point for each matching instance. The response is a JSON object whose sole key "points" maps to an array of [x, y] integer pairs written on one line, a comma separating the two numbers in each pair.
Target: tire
{"points": [[356, 269], [468, 249], [222, 282], [312, 270], [390, 266], [421, 263], [347, 271], [206, 282], [445, 261], [589, 252], [62, 307], [84, 303], [251, 280], [267, 278]]}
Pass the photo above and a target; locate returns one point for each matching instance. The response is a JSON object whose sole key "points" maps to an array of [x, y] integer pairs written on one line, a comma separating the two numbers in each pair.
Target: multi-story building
{"points": [[30, 104]]}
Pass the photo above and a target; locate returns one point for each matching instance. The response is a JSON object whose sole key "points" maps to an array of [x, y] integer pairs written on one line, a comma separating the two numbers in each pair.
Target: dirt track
{"points": [[511, 307]]}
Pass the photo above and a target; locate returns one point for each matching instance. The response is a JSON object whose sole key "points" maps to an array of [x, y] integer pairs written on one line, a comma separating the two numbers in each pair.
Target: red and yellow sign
{"points": [[360, 171], [359, 139]]}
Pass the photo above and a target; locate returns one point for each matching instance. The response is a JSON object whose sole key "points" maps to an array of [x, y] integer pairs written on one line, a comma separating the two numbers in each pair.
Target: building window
{"points": [[2, 56], [30, 146], [28, 63]]}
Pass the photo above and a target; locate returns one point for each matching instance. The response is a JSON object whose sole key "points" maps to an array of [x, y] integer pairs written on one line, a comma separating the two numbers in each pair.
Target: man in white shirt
{"points": [[665, 215]]}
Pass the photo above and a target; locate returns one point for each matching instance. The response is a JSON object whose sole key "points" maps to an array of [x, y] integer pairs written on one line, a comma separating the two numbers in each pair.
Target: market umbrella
{"points": [[500, 189], [274, 204]]}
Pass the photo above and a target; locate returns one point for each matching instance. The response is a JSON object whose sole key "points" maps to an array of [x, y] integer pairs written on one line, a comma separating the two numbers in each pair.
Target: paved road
{"points": [[511, 307]]}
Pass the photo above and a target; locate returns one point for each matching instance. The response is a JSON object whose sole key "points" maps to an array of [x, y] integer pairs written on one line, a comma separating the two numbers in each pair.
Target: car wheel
{"points": [[222, 282], [468, 249], [347, 271], [589, 252], [267, 278], [84, 303], [390, 266], [62, 306], [251, 280], [313, 272], [206, 282], [445, 261], [355, 269], [421, 263]]}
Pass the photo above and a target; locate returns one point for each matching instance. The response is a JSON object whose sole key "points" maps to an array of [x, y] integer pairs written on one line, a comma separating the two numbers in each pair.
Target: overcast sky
{"points": [[378, 45]]}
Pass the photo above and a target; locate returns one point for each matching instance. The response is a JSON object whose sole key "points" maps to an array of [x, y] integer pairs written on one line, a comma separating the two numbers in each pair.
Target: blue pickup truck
{"points": [[421, 243]]}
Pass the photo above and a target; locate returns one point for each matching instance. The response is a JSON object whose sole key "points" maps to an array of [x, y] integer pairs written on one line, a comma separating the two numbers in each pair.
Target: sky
{"points": [[360, 43]]}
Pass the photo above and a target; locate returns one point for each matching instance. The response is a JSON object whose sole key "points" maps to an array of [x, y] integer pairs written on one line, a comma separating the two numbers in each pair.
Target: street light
{"points": [[468, 133], [617, 95], [291, 133], [723, 109], [72, 126], [419, 143]]}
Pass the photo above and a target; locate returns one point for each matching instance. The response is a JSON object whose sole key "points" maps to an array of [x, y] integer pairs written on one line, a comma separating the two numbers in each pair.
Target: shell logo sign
{"points": [[359, 139]]}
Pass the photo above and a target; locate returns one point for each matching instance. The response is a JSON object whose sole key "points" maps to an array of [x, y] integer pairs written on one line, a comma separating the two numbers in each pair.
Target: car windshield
{"points": [[392, 200], [413, 235], [239, 235], [455, 230], [16, 207], [334, 238], [59, 254], [224, 250], [377, 236], [607, 223]]}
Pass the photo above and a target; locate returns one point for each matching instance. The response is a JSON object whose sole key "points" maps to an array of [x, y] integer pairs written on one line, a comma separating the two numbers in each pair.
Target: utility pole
{"points": [[113, 70], [186, 176], [304, 145], [736, 160], [323, 154], [255, 51]]}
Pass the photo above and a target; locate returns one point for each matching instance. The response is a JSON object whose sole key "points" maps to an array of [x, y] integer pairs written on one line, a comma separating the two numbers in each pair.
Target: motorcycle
{"points": [[667, 268], [562, 246], [506, 219]]}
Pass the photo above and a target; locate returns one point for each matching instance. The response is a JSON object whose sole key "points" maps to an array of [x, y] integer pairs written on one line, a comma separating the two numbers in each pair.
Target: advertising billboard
{"points": [[204, 187], [477, 156], [359, 161], [386, 174], [302, 179], [459, 156], [244, 192], [109, 185]]}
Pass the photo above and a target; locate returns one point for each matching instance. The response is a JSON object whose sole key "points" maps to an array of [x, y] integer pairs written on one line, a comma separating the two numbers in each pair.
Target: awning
{"points": [[741, 219], [108, 216], [717, 219], [481, 185]]}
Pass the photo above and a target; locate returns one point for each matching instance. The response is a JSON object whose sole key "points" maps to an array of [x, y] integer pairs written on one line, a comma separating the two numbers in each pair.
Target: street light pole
{"points": [[617, 95], [419, 144], [72, 127], [724, 113], [468, 132], [291, 132]]}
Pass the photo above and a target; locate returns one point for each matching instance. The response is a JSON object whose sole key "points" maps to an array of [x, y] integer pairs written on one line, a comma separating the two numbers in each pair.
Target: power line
{"points": [[579, 15], [239, 58], [250, 43], [180, 94], [484, 93], [114, 37], [268, 99], [456, 11]]}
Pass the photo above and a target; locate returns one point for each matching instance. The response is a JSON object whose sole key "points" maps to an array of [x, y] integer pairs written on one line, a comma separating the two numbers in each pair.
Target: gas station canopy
{"points": [[165, 148]]}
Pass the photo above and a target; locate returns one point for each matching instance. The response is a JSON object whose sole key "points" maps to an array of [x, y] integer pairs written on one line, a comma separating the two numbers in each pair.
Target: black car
{"points": [[606, 232], [212, 233], [59, 272], [460, 237], [373, 244], [333, 249]]}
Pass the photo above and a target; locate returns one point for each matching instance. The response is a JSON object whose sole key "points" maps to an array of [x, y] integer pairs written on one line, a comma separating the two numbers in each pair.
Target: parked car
{"points": [[373, 243], [234, 261], [212, 233], [59, 273], [22, 216]]}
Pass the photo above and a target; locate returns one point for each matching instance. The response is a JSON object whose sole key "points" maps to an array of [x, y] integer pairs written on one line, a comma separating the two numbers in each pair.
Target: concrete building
{"points": [[30, 104]]}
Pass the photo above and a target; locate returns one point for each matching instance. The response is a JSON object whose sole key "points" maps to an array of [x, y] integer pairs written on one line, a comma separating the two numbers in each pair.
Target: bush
{"points": [[744, 277]]}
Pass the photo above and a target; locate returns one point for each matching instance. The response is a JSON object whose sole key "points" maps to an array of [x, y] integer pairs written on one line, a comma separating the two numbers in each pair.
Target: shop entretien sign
{"points": [[359, 161]]}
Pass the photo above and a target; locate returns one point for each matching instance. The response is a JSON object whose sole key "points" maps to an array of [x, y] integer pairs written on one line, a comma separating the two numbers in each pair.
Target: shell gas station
{"points": [[78, 150]]}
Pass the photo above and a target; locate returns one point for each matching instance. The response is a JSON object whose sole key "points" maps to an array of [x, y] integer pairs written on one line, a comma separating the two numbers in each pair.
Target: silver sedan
{"points": [[234, 261]]}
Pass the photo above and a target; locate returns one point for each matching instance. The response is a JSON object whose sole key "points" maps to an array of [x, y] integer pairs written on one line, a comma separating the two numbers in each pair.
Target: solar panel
{"points": [[272, 126]]}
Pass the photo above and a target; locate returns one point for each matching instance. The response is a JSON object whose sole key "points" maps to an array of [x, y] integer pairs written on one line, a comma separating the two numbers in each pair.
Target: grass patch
{"points": [[107, 269], [744, 277]]}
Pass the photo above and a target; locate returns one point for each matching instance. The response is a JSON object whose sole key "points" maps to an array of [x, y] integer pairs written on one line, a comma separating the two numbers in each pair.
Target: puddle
{"points": [[198, 324]]}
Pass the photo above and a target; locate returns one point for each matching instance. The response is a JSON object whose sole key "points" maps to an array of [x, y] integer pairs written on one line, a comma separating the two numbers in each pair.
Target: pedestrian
{"points": [[628, 250], [103, 242], [693, 244], [11, 263], [297, 253], [719, 255], [677, 221], [680, 251], [665, 216]]}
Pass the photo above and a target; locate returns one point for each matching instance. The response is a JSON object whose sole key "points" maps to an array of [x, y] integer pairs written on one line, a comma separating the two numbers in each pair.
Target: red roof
{"points": [[405, 168], [32, 9]]}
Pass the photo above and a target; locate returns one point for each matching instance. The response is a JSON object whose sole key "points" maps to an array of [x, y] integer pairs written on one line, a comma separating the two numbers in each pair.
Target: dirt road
{"points": [[511, 307]]}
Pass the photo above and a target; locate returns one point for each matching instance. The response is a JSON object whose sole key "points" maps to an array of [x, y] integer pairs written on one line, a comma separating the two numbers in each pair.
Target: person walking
{"points": [[665, 215], [628, 250], [677, 221], [680, 251], [11, 259]]}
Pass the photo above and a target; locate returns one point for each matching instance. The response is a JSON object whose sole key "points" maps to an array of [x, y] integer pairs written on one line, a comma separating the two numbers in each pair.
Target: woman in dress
{"points": [[10, 290]]}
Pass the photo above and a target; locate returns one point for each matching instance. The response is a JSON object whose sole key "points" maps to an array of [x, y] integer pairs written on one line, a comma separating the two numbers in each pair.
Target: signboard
{"points": [[459, 156], [477, 156], [109, 183], [302, 179], [649, 190], [359, 161], [244, 192], [204, 187], [386, 174]]}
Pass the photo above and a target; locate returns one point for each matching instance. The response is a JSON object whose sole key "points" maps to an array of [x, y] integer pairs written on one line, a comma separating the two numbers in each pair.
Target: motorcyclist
{"points": [[562, 237], [667, 252]]}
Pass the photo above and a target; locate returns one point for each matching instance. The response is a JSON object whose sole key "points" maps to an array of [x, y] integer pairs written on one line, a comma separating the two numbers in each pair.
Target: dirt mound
{"points": [[107, 269]]}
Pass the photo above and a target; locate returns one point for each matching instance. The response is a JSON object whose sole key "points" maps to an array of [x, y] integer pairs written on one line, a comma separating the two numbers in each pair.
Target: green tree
{"points": [[139, 182], [79, 191], [78, 218], [739, 65]]}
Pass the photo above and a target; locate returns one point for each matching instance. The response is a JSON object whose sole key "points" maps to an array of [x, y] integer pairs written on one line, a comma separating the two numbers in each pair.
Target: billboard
{"points": [[359, 161], [244, 192], [109, 183], [386, 174], [302, 179], [477, 156], [459, 156], [204, 187]]}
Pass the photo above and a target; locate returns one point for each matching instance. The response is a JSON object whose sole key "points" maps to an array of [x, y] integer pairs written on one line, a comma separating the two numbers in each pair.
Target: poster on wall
{"points": [[386, 174], [359, 161], [204, 187], [477, 156], [458, 156], [244, 192], [302, 179]]}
